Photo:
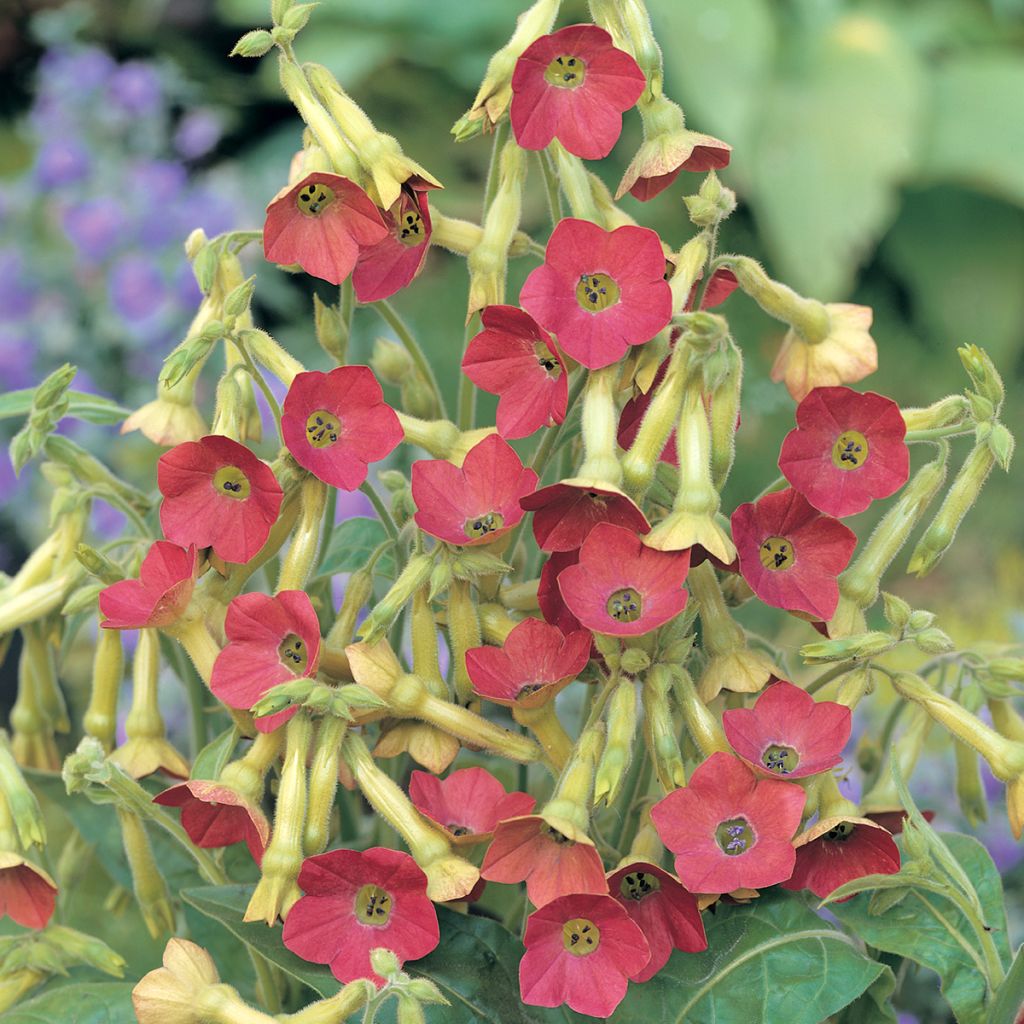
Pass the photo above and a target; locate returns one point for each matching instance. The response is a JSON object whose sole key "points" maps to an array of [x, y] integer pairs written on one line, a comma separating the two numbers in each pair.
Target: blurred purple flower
{"points": [[16, 357], [157, 186], [61, 161], [186, 289], [135, 87], [16, 293], [96, 227], [197, 133], [74, 72], [107, 522], [204, 209], [137, 289]]}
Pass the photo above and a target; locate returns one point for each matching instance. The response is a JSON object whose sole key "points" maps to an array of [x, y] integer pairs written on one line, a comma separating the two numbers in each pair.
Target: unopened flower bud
{"points": [[256, 43], [1008, 669], [296, 17], [86, 949], [21, 801], [385, 963], [970, 792], [151, 892], [425, 991], [1002, 444], [934, 641], [897, 612], [390, 361], [331, 330], [634, 661], [621, 720], [860, 645], [98, 564], [983, 373]]}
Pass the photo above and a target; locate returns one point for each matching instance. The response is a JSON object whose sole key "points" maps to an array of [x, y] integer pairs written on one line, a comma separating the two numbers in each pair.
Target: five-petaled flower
{"points": [[356, 901], [573, 85], [166, 580], [336, 423], [397, 258], [218, 495], [847, 449], [599, 291], [566, 512], [27, 893]]}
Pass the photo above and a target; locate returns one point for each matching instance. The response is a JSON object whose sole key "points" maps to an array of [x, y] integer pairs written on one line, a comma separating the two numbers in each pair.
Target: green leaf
{"points": [[90, 1003], [929, 929], [875, 1005], [82, 406], [1010, 995], [352, 542], [211, 759]]}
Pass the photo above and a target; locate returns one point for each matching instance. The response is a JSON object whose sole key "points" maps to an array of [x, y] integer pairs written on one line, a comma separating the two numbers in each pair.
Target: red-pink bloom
{"points": [[336, 423], [475, 503], [847, 450], [730, 829], [552, 864], [167, 577], [659, 162], [837, 850], [581, 950], [788, 732], [621, 587], [398, 258], [321, 223], [218, 495], [790, 554], [664, 911], [534, 663], [271, 640], [356, 901], [566, 512], [514, 359], [214, 815], [599, 291], [573, 85], [549, 597], [468, 804], [27, 893]]}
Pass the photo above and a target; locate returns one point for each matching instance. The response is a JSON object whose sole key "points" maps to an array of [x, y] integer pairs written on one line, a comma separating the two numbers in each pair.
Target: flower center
{"points": [[625, 605], [638, 884], [555, 836], [480, 526], [293, 654], [777, 553], [232, 483], [314, 199], [322, 429], [596, 292], [580, 936], [458, 830], [735, 836], [840, 833], [548, 363], [527, 688], [565, 72], [850, 450], [780, 759], [410, 229], [373, 905]]}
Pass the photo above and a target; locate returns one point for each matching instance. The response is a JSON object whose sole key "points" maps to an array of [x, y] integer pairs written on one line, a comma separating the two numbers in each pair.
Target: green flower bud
{"points": [[385, 963], [151, 892], [861, 645], [983, 373], [296, 17], [253, 44], [425, 991], [85, 949], [409, 1010], [1002, 444], [634, 661], [934, 641], [621, 720], [970, 792], [920, 619], [98, 564], [391, 361], [897, 612], [331, 330]]}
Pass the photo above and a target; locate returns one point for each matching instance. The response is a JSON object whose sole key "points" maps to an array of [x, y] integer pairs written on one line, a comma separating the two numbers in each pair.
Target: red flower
{"points": [[513, 358], [621, 587], [729, 829], [321, 223], [468, 804], [790, 554], [838, 850], [580, 950], [788, 732], [475, 503], [167, 577], [549, 597], [357, 901], [573, 85], [396, 260], [847, 449], [551, 863], [216, 815], [336, 423], [599, 291], [218, 495], [566, 512], [27, 893], [271, 640], [664, 911], [534, 663], [656, 167]]}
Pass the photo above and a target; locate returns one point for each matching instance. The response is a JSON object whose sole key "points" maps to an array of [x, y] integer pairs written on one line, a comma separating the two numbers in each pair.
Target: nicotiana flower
{"points": [[516, 360], [468, 804], [730, 829], [787, 732], [321, 223], [27, 893], [790, 554], [837, 850], [271, 640], [214, 814], [847, 450], [395, 260], [573, 85], [336, 423], [549, 598], [599, 291], [664, 911], [167, 577], [581, 950], [535, 662], [356, 901], [622, 587], [218, 495], [475, 503], [566, 512]]}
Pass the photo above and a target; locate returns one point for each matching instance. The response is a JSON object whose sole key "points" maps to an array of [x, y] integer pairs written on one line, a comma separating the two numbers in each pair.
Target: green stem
{"points": [[390, 316], [937, 433], [551, 189], [347, 304], [253, 370], [501, 133], [467, 390], [381, 509], [329, 513], [829, 675], [195, 688]]}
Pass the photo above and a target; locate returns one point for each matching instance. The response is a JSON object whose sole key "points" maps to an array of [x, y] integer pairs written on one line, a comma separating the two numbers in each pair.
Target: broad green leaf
{"points": [[211, 759], [1010, 996], [351, 544], [83, 406], [90, 1003], [930, 930], [875, 1005]]}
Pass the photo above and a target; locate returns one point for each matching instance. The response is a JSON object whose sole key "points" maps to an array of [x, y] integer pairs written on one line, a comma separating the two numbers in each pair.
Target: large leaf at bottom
{"points": [[99, 1003]]}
